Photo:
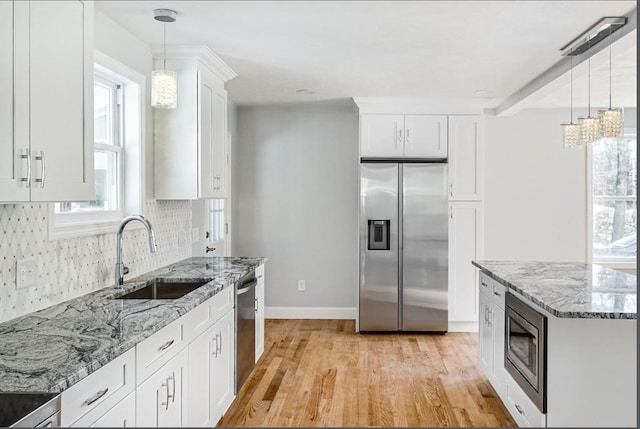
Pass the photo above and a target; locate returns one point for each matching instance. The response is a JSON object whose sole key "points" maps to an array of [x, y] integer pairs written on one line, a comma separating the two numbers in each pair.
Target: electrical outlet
{"points": [[26, 273], [301, 285], [195, 234]]}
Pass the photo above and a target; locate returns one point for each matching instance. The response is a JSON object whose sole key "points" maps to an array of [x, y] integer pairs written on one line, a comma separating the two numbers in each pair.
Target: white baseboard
{"points": [[463, 326], [310, 313]]}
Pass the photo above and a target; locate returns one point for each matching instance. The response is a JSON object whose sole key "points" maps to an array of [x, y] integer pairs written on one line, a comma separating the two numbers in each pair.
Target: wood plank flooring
{"points": [[321, 373]]}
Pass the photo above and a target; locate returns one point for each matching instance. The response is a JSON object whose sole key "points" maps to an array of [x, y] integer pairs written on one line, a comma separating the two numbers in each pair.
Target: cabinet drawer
{"points": [[100, 391], [260, 271], [196, 321], [498, 293], [485, 284], [222, 302], [523, 410], [156, 350]]}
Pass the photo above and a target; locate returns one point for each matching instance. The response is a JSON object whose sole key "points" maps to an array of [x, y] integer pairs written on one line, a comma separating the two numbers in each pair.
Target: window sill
{"points": [[60, 231], [617, 265]]}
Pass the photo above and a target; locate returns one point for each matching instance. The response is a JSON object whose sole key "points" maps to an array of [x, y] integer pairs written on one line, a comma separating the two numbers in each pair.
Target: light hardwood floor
{"points": [[321, 373]]}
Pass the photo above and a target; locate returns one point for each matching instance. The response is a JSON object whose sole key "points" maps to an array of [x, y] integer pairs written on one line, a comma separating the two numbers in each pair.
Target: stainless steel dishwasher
{"points": [[245, 327]]}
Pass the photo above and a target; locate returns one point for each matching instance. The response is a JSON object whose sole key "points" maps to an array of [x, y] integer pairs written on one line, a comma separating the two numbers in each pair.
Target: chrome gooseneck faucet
{"points": [[121, 270]]}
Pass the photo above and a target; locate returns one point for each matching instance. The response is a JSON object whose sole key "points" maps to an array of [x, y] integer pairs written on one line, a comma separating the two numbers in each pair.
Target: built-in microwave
{"points": [[525, 355]]}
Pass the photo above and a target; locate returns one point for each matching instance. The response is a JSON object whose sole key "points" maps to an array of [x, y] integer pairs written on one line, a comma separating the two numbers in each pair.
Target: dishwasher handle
{"points": [[245, 287]]}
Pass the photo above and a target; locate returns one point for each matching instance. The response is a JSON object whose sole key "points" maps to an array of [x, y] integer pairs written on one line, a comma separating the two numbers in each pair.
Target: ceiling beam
{"points": [[513, 103]]}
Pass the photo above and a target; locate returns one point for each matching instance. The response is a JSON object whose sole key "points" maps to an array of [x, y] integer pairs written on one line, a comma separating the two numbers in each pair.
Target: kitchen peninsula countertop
{"points": [[54, 348], [569, 289]]}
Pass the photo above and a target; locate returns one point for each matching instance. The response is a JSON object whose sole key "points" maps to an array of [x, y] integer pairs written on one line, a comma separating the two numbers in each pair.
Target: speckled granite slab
{"points": [[569, 289], [52, 349]]}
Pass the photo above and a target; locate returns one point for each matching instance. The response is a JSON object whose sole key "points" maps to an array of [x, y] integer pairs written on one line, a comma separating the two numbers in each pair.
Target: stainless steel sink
{"points": [[164, 289]]}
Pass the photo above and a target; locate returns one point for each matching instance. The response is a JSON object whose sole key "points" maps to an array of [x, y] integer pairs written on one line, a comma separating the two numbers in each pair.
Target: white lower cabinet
{"points": [[491, 333], [123, 415], [222, 367], [259, 312], [210, 380], [159, 400]]}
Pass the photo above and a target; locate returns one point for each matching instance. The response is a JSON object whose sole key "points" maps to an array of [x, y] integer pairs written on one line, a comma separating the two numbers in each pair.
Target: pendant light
{"points": [[164, 83], [589, 126], [611, 119], [571, 131]]}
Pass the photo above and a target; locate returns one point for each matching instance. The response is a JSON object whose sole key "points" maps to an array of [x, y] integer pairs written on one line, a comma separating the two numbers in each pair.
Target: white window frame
{"points": [[132, 171], [619, 263]]}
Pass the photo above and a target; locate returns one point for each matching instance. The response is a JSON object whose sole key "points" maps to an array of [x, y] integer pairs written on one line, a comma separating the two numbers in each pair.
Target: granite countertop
{"points": [[569, 289], [54, 348]]}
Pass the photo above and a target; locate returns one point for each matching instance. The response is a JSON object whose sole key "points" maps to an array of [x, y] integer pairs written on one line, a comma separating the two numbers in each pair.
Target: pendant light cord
{"points": [[164, 66]]}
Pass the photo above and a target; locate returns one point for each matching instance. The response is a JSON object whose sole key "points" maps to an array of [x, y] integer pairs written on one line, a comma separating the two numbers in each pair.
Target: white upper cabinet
{"points": [[425, 136], [190, 141], [403, 136], [46, 142], [465, 158], [382, 136]]}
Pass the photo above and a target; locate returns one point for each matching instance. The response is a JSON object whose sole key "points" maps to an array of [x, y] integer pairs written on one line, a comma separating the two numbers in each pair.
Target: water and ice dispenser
{"points": [[379, 234]]}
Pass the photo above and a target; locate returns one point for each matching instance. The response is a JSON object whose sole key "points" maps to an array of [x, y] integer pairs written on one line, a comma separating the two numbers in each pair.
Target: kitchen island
{"points": [[587, 345]]}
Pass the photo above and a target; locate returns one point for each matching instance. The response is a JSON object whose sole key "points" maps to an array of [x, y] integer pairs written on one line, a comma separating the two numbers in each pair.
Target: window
{"points": [[614, 199], [108, 154], [118, 151]]}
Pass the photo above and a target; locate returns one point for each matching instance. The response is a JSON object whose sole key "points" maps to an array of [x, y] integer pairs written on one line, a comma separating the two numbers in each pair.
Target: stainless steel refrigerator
{"points": [[403, 247]]}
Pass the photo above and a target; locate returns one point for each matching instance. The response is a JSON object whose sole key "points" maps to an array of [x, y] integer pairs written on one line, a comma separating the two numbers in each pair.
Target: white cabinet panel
{"points": [[206, 186], [159, 400], [498, 371], [156, 350], [382, 136], [465, 244], [425, 136], [260, 312], [465, 158], [222, 370]]}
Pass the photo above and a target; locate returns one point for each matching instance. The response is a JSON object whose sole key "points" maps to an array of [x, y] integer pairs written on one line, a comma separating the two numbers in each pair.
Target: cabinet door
{"points": [[61, 97], [465, 244], [382, 136], [485, 341], [222, 370], [260, 313], [465, 158], [122, 415], [159, 399], [213, 131], [198, 408], [12, 167], [497, 327], [425, 136]]}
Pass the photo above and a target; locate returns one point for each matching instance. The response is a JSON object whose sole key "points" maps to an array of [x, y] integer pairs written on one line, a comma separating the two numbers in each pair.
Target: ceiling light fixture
{"points": [[164, 83], [571, 131], [593, 35], [611, 119]]}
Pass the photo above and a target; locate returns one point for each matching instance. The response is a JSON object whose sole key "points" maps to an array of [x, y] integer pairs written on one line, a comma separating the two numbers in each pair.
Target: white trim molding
{"points": [[310, 313], [463, 326], [200, 53]]}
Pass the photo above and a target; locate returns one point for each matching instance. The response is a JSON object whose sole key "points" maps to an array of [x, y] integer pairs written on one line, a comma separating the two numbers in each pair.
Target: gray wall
{"points": [[535, 190], [296, 199]]}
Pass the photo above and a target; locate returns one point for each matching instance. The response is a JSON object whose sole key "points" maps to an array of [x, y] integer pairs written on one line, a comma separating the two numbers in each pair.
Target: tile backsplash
{"points": [[68, 268]]}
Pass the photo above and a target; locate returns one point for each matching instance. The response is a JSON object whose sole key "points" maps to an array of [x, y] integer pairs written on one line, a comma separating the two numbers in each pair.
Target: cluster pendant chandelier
{"points": [[608, 124], [164, 83]]}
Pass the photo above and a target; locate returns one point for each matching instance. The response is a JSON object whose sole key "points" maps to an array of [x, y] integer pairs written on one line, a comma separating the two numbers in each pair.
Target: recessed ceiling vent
{"points": [[592, 36]]}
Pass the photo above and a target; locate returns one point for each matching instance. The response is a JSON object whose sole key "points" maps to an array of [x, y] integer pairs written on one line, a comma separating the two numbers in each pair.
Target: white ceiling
{"points": [[400, 49]]}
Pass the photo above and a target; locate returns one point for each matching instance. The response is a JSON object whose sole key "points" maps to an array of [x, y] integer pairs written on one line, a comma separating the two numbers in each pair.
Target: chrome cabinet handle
{"points": [[27, 156], [166, 345], [43, 170], [256, 304], [497, 293], [399, 139], [484, 284], [173, 388], [451, 189], [407, 137], [219, 343], [520, 410], [215, 349], [166, 402], [209, 249], [97, 396]]}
